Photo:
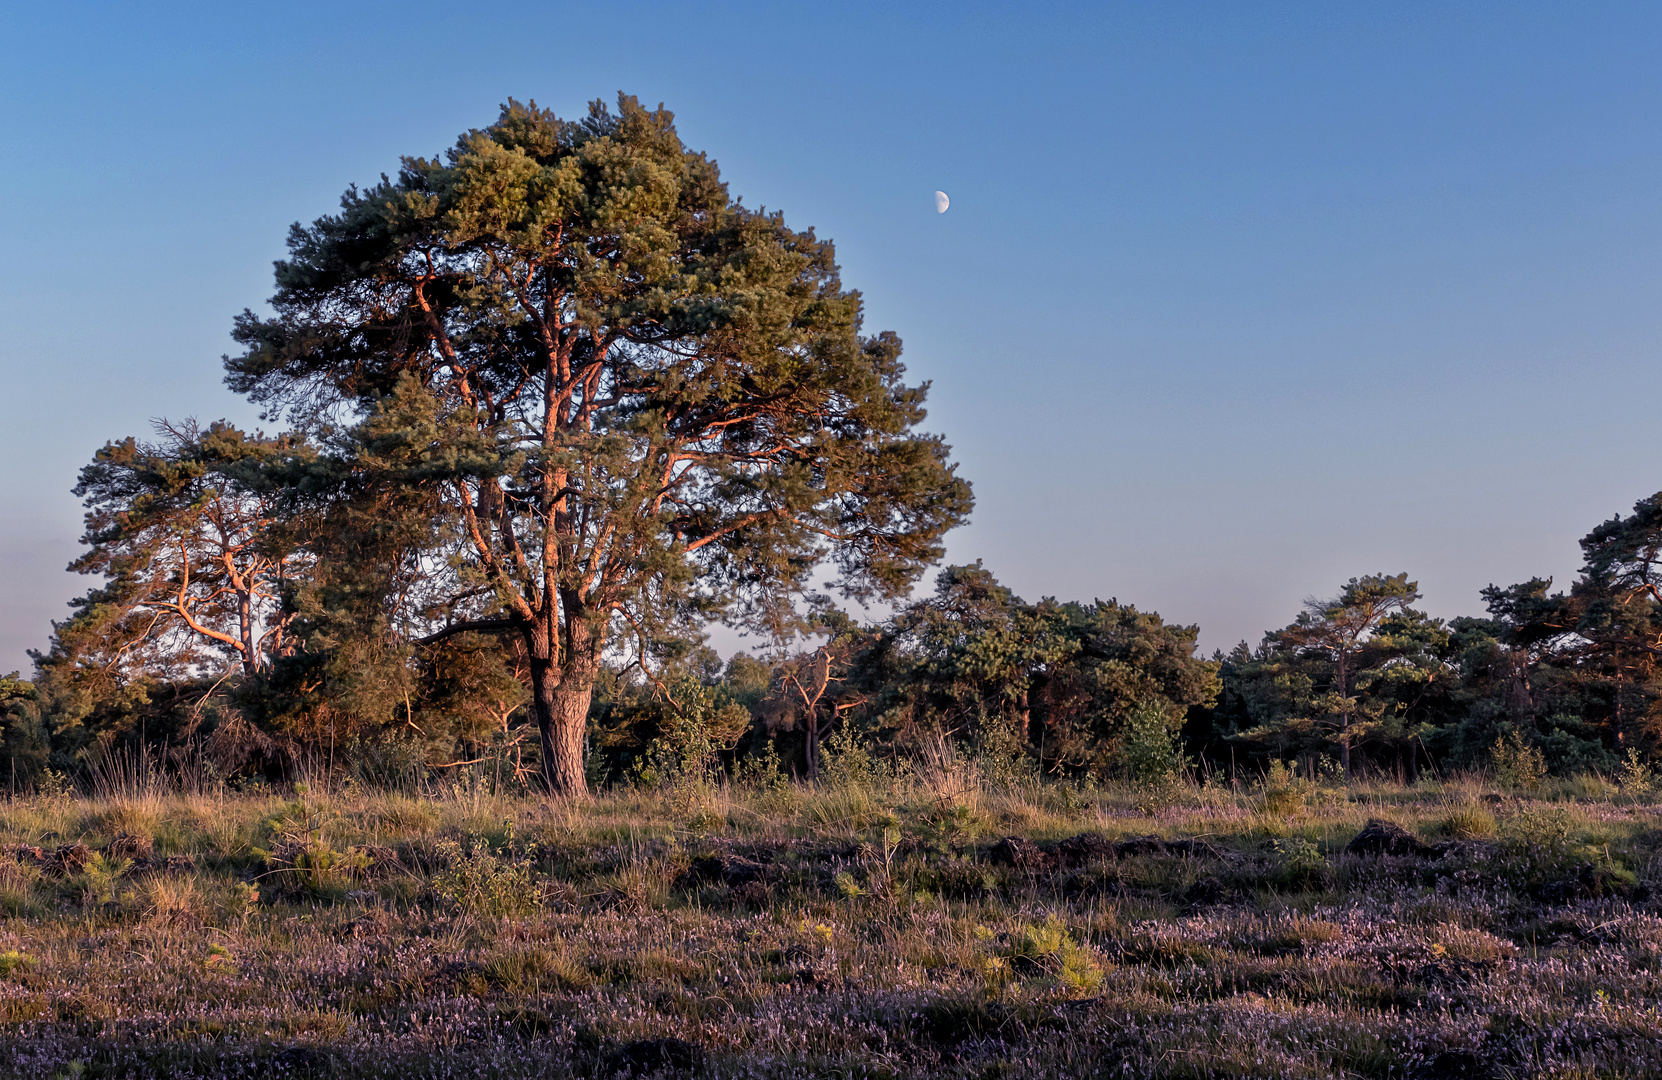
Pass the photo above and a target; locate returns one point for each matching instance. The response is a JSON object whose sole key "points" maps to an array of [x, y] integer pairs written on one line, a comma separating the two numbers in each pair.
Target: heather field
{"points": [[872, 926]]}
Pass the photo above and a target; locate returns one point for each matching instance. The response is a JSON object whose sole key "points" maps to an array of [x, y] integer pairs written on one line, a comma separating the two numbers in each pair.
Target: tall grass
{"points": [[859, 925]]}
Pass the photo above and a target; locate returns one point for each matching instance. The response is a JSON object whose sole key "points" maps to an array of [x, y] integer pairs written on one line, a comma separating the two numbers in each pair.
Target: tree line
{"points": [[554, 401]]}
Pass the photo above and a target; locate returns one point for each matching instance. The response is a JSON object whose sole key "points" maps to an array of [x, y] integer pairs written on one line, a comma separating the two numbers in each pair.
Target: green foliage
{"points": [[13, 961], [99, 880], [1151, 750], [1349, 670], [704, 407], [1003, 754], [1544, 829], [1282, 790], [848, 762], [1299, 864], [1518, 765], [762, 771], [477, 879], [1637, 777], [847, 886], [300, 856], [1541, 853], [1037, 686], [1046, 950], [695, 724]]}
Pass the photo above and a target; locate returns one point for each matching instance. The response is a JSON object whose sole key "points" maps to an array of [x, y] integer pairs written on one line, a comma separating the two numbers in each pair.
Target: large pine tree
{"points": [[635, 401]]}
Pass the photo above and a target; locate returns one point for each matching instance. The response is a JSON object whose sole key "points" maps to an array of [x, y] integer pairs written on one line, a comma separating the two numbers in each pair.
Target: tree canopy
{"points": [[635, 401]]}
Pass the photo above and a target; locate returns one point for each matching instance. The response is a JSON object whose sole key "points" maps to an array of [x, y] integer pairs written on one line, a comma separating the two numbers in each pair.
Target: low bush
{"points": [[476, 879]]}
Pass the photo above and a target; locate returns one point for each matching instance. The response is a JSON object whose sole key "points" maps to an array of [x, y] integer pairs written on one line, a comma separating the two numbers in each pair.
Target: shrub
{"points": [[13, 962], [1543, 857], [1151, 751], [1300, 866], [1047, 950], [1282, 792], [308, 864], [1545, 829], [846, 762], [699, 724], [1518, 765], [847, 886], [474, 880], [1002, 755], [100, 879], [1636, 777]]}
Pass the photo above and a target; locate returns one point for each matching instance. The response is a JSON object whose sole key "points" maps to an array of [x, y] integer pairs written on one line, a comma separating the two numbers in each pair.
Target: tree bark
{"points": [[560, 696], [1344, 717]]}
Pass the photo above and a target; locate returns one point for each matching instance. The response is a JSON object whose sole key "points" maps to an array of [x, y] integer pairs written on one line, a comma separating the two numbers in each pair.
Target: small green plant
{"points": [[245, 896], [475, 879], [846, 761], [700, 723], [847, 886], [1160, 795], [1002, 755], [762, 771], [100, 878], [1301, 865], [322, 867], [301, 856], [1048, 951], [52, 784], [1327, 772], [1151, 751], [13, 962], [948, 822], [1636, 776], [1282, 792], [1518, 765], [1544, 828], [307, 863]]}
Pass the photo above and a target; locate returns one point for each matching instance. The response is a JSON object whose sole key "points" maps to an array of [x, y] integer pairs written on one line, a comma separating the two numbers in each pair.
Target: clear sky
{"points": [[1233, 302]]}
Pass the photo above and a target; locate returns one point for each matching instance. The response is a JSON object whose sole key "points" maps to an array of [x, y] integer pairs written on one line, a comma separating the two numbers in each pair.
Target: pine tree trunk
{"points": [[560, 695], [1344, 718], [562, 714]]}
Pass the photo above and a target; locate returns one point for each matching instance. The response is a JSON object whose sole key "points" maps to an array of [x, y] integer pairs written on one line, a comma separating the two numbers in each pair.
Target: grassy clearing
{"points": [[857, 929]]}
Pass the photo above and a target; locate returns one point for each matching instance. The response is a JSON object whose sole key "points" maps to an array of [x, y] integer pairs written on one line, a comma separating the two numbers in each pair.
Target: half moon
{"points": [[941, 202]]}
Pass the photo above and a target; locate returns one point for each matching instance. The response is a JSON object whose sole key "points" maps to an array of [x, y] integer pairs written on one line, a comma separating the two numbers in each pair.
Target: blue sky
{"points": [[1233, 301]]}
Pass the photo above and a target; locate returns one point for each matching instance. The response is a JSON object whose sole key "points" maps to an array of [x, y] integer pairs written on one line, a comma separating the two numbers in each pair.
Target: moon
{"points": [[941, 202]]}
